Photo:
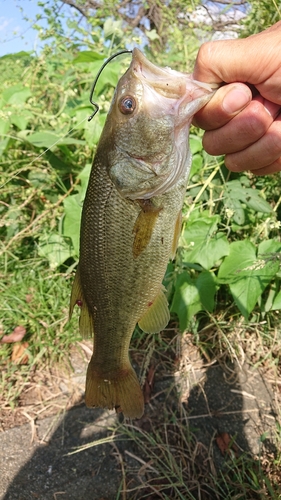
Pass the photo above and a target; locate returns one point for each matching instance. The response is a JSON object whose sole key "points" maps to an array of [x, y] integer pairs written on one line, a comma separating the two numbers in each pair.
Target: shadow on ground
{"points": [[221, 400]]}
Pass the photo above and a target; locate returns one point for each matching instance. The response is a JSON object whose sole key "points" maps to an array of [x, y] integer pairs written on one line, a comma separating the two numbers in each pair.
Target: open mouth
{"points": [[167, 82]]}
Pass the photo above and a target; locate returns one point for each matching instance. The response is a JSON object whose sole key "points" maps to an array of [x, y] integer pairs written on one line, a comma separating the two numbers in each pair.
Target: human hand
{"points": [[243, 119]]}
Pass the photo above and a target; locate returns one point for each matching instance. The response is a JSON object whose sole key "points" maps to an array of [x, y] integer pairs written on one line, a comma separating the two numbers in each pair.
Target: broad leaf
{"points": [[109, 76], [4, 126], [192, 296], [21, 120], [247, 275], [111, 27], [56, 162], [202, 245], [235, 190], [72, 219], [276, 302], [84, 178], [195, 144], [48, 139], [238, 211], [87, 56], [55, 249], [17, 94], [197, 163]]}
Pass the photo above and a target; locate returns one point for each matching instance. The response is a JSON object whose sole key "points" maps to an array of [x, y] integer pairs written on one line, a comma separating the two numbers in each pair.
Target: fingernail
{"points": [[236, 99]]}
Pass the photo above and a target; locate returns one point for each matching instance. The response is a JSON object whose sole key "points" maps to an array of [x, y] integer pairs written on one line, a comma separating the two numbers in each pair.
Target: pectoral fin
{"points": [[157, 316], [86, 326], [144, 226]]}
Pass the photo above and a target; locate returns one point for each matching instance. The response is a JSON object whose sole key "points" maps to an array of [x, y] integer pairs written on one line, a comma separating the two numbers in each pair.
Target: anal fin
{"points": [[157, 315]]}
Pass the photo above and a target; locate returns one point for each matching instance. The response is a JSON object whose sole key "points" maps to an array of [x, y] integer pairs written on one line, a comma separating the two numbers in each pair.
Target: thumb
{"points": [[227, 102]]}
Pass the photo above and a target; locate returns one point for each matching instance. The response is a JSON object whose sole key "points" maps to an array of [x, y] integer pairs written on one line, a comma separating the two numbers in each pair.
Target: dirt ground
{"points": [[38, 438]]}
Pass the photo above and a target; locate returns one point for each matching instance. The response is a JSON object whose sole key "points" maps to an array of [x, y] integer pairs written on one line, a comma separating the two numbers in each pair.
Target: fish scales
{"points": [[129, 230]]}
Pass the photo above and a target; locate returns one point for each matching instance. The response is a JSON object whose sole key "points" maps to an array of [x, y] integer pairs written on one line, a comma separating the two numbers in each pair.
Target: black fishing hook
{"points": [[125, 51]]}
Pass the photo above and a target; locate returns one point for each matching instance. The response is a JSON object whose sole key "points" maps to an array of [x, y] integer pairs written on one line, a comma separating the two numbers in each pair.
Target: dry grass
{"points": [[170, 460], [164, 455]]}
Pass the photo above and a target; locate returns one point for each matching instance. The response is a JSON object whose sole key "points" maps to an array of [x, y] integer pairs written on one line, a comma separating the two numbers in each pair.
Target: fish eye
{"points": [[127, 105]]}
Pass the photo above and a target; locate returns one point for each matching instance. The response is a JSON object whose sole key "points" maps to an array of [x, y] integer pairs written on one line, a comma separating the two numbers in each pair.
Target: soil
{"points": [[39, 437]]}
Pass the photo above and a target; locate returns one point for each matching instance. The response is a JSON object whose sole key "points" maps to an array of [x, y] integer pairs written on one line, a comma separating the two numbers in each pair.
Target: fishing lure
{"points": [[125, 51]]}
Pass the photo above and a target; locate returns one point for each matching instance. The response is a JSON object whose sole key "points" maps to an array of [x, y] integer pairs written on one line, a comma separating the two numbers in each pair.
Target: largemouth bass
{"points": [[131, 222]]}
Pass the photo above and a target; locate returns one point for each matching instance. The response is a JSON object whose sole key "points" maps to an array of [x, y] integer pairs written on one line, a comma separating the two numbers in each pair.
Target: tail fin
{"points": [[121, 390]]}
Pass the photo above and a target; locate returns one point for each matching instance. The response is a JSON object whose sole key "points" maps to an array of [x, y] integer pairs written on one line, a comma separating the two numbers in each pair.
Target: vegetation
{"points": [[227, 268]]}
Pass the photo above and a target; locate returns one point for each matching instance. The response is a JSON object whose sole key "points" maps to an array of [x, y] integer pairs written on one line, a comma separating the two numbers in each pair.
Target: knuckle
{"points": [[275, 139], [258, 120], [205, 51], [231, 164], [210, 144]]}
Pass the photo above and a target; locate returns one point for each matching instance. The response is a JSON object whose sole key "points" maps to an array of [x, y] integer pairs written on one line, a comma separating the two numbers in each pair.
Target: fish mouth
{"points": [[168, 100], [166, 81]]}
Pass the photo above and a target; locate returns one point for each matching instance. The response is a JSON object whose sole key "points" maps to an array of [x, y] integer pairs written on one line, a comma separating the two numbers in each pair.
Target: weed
{"points": [[223, 286]]}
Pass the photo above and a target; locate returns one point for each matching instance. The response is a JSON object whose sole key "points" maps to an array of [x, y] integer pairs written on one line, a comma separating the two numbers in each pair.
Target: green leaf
{"points": [[4, 144], [16, 95], [16, 55], [242, 260], [80, 113], [186, 301], [109, 76], [192, 296], [94, 128], [196, 166], [152, 34], [48, 139], [242, 254], [87, 56], [42, 139], [73, 210], [57, 163], [206, 285], [268, 248], [4, 126], [235, 190], [247, 275], [195, 144], [238, 211], [65, 141], [72, 220], [55, 249], [39, 179], [111, 27], [276, 302], [202, 245], [84, 177], [254, 201], [21, 120]]}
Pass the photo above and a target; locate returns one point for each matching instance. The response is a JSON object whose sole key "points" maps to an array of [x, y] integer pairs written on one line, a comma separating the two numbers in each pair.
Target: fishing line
{"points": [[95, 104], [125, 51], [41, 154]]}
